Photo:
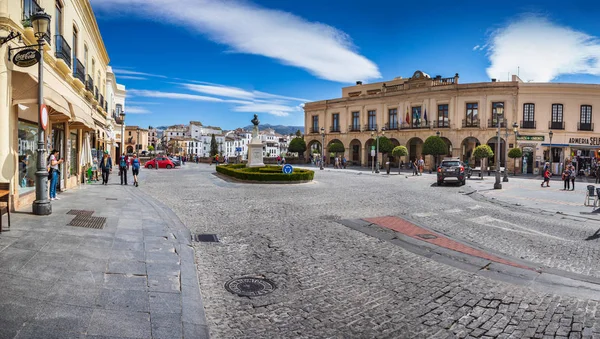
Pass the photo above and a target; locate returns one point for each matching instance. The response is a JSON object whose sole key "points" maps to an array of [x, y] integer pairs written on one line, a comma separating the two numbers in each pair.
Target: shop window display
{"points": [[73, 163], [27, 156]]}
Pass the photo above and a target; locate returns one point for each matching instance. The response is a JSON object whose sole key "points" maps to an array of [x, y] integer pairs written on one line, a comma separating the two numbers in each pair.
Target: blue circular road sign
{"points": [[288, 169]]}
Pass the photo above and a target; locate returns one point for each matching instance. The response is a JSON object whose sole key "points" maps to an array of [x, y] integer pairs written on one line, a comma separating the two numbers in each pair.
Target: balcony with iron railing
{"points": [[441, 123], [315, 130], [493, 123], [471, 123], [528, 124], [354, 128], [556, 124], [371, 127], [334, 129], [96, 93], [101, 101], [392, 126], [416, 125], [79, 71], [31, 7], [89, 84], [585, 126], [63, 50]]}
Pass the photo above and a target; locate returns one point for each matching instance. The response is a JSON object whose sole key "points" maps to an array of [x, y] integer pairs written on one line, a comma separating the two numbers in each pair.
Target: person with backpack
{"points": [[135, 169], [546, 178], [105, 167], [123, 168]]}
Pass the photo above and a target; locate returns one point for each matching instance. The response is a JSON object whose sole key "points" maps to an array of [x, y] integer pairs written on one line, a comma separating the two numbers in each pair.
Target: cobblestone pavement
{"points": [[334, 282]]}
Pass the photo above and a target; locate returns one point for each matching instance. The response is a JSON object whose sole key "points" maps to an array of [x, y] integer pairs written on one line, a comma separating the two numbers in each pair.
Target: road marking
{"points": [[454, 210], [424, 215], [476, 207], [486, 220]]}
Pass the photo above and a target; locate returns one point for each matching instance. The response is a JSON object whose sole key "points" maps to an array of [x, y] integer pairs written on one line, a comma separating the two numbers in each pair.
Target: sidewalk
{"points": [[135, 278], [528, 193]]}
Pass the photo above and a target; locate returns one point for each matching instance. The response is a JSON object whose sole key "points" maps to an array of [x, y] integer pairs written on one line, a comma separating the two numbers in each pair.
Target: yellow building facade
{"points": [[75, 72], [408, 110]]}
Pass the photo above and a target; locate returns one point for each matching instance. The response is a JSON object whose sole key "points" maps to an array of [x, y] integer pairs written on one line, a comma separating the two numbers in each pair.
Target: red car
{"points": [[163, 162]]}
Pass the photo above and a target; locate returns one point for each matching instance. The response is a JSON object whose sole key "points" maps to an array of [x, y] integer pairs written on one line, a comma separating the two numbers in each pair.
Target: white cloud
{"points": [[476, 47], [132, 77], [542, 50], [320, 49], [234, 92], [171, 95], [136, 110], [126, 72]]}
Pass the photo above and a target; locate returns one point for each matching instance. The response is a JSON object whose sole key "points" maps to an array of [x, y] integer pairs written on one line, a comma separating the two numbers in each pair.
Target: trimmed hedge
{"points": [[268, 173]]}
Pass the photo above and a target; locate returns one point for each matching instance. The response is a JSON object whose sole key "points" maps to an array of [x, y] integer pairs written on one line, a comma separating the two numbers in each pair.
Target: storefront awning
{"points": [[25, 91], [82, 119]]}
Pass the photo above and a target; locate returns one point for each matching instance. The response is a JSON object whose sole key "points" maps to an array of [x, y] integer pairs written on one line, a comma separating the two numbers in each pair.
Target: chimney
{"points": [[359, 83], [493, 79]]}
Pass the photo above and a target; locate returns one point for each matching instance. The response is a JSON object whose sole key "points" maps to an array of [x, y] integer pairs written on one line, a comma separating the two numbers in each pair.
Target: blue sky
{"points": [[220, 62]]}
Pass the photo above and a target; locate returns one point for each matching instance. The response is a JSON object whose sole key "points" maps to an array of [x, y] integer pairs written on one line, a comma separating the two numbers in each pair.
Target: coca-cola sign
{"points": [[27, 58]]}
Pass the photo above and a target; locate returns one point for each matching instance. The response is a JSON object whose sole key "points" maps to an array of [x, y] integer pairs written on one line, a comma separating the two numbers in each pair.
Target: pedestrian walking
{"points": [[597, 173], [566, 177], [415, 167], [135, 169], [105, 167], [573, 176], [336, 163], [546, 178], [54, 173], [421, 164], [278, 160], [123, 167], [344, 162]]}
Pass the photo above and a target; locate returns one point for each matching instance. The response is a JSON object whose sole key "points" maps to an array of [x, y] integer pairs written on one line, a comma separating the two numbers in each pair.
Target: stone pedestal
{"points": [[255, 156]]}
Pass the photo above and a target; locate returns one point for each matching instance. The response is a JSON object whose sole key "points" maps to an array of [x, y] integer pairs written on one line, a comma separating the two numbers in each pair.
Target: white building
{"points": [[236, 143]]}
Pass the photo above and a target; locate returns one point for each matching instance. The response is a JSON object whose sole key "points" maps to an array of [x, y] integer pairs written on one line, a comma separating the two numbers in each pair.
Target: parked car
{"points": [[176, 161], [451, 170], [163, 162]]}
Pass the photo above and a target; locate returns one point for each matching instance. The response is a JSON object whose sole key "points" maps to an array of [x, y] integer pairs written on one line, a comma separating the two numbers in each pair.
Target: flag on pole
{"points": [[425, 116], [407, 116]]}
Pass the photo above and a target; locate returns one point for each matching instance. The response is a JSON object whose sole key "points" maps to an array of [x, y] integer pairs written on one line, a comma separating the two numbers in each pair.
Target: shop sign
{"points": [[531, 137], [27, 58], [592, 141]]}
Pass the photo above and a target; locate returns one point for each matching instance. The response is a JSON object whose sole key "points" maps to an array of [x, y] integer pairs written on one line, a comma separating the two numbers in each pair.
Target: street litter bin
{"points": [[387, 167]]}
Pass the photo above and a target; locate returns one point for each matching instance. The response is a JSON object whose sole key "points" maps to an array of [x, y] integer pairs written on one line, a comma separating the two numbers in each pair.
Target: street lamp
{"points": [[436, 156], [376, 134], [122, 115], [550, 134], [515, 127], [499, 113], [41, 206], [322, 146]]}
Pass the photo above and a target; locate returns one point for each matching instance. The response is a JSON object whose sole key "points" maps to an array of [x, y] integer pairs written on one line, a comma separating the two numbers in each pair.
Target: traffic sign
{"points": [[44, 116], [372, 152], [287, 169], [372, 148]]}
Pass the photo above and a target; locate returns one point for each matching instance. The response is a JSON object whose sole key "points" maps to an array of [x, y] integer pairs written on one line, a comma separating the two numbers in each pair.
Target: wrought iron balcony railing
{"points": [[89, 83], [392, 126], [354, 128], [371, 127], [583, 126], [315, 130], [493, 123], [528, 124], [470, 123], [556, 124], [441, 124], [78, 70], [63, 50], [96, 93], [334, 129]]}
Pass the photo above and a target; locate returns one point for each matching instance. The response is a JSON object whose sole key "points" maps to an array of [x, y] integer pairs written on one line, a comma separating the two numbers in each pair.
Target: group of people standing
{"points": [[418, 166], [125, 163], [568, 176]]}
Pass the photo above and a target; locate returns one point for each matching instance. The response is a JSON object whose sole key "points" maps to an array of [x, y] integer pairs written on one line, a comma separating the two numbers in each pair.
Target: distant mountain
{"points": [[281, 129]]}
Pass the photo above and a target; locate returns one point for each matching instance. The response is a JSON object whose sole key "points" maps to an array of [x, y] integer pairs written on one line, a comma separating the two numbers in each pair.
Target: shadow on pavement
{"points": [[594, 236]]}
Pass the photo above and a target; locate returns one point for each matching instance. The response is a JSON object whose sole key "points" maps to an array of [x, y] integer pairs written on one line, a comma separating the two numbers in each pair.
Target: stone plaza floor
{"points": [[134, 278], [336, 282]]}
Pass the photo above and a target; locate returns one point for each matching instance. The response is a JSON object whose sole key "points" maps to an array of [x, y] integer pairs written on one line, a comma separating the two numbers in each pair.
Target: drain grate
{"points": [[205, 238], [112, 199], [250, 286], [80, 212], [427, 236], [88, 221]]}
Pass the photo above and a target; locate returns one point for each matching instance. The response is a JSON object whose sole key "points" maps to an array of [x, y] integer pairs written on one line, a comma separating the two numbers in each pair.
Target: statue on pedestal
{"points": [[255, 122]]}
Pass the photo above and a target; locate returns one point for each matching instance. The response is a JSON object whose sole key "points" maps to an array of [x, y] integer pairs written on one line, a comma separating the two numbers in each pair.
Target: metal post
{"points": [[551, 151], [377, 154], [322, 148], [41, 205], [497, 184], [505, 179]]}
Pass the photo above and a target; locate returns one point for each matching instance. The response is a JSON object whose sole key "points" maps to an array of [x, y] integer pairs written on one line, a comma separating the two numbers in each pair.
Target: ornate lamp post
{"points": [[550, 134], [41, 206], [322, 147], [515, 130], [376, 135], [499, 117]]}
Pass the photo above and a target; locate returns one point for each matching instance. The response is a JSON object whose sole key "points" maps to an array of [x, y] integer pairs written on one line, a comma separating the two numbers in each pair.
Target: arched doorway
{"points": [[314, 148], [467, 146], [393, 162], [129, 149], [448, 148], [415, 148], [355, 148], [492, 143], [368, 145], [332, 155]]}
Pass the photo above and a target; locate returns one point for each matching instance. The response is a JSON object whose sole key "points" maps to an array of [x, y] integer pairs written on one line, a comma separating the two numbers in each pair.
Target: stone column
{"points": [[7, 122]]}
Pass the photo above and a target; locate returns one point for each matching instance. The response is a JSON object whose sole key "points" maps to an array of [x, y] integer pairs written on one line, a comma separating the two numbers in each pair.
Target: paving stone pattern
{"points": [[135, 278], [334, 282]]}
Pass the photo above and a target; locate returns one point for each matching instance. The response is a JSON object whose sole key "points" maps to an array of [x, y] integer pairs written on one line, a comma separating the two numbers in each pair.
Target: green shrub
{"points": [[268, 173]]}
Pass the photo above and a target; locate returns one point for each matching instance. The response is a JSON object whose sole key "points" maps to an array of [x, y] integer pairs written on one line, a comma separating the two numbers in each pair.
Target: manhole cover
{"points": [[80, 212], [250, 286], [88, 222], [427, 236], [112, 199], [205, 238]]}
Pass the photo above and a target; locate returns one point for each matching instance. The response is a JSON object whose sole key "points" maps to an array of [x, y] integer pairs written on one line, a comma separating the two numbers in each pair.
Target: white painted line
{"points": [[486, 220], [476, 207], [424, 215], [454, 210]]}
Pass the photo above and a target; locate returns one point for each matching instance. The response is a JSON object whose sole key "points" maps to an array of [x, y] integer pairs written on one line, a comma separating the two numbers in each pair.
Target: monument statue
{"points": [[255, 122]]}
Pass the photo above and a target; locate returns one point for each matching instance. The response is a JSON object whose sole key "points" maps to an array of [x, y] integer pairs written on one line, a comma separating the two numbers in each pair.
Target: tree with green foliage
{"points": [[399, 151], [336, 147], [435, 146], [214, 147], [385, 145], [150, 148], [298, 133], [515, 153], [482, 152], [297, 145]]}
